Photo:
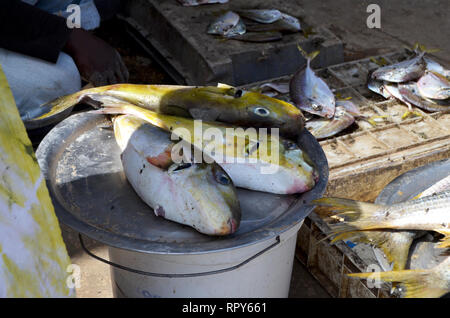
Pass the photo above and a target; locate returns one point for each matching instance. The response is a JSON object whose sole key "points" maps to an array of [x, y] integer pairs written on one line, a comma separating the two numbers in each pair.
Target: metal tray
{"points": [[413, 182], [81, 163]]}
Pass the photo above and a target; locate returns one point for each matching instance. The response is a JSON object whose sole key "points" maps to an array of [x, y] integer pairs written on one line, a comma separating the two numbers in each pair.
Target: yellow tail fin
{"points": [[308, 56], [423, 283]]}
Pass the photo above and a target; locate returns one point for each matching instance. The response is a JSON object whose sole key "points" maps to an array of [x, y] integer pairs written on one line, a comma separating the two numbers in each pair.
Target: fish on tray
{"points": [[309, 92], [224, 104], [200, 195], [261, 15], [272, 164]]}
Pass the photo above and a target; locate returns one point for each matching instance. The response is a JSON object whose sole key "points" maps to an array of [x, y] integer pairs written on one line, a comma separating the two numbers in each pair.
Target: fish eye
{"points": [[250, 148], [222, 178], [261, 111], [316, 107], [238, 93], [289, 145], [183, 166]]}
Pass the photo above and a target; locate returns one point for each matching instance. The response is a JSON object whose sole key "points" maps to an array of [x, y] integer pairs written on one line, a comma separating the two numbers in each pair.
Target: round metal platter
{"points": [[81, 162], [413, 182]]}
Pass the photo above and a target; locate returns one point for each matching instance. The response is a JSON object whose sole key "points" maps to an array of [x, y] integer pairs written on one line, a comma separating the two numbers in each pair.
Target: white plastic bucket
{"points": [[266, 275]]}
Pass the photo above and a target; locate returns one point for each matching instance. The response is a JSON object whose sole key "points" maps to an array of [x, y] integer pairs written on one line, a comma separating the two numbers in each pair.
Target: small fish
{"points": [[323, 127], [287, 23], [272, 164], [434, 86], [261, 15], [188, 3], [224, 104], [403, 71], [349, 107], [258, 37], [429, 213], [409, 94], [309, 92], [200, 195], [418, 283], [435, 67], [279, 87], [228, 24], [378, 87]]}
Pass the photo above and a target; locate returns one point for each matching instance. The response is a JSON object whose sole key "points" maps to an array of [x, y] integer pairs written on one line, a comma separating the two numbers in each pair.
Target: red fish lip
{"points": [[233, 225]]}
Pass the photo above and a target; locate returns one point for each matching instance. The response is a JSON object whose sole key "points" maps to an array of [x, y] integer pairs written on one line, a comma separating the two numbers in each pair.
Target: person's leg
{"points": [[34, 82]]}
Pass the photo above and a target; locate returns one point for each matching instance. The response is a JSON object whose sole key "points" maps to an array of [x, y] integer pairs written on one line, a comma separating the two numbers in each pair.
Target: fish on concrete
{"points": [[261, 15], [228, 24]]}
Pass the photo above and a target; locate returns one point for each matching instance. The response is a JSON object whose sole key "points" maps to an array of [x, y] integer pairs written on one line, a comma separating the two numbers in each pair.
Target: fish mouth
{"points": [[233, 225]]}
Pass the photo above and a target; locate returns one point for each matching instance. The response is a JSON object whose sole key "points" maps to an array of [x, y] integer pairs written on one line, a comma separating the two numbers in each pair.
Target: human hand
{"points": [[97, 62]]}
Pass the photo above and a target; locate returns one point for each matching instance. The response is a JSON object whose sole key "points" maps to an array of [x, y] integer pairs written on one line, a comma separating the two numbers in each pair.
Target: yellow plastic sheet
{"points": [[33, 257]]}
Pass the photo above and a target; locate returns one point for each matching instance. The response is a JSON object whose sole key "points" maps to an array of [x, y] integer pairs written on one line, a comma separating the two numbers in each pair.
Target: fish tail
{"points": [[418, 283], [445, 241], [396, 252], [358, 215], [59, 105], [308, 56]]}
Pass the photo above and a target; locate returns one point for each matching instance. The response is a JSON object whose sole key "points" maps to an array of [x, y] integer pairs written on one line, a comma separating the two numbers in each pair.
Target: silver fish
{"points": [[228, 24], [258, 37], [199, 195], [349, 106], [280, 87], [287, 23], [309, 92], [378, 87], [434, 66], [323, 128], [409, 94], [403, 71], [261, 15], [188, 3], [433, 85]]}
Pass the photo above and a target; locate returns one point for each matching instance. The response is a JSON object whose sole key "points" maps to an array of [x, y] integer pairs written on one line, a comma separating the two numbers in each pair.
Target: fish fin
{"points": [[59, 105], [396, 252], [204, 114], [445, 242], [308, 56], [358, 215], [418, 283], [222, 85]]}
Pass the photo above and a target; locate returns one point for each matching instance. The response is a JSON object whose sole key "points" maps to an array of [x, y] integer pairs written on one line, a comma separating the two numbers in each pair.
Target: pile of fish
{"points": [[393, 229], [312, 95], [418, 81], [191, 179], [260, 25]]}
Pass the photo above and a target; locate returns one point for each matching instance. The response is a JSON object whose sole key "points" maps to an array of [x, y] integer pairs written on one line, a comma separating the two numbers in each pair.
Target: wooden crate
{"points": [[362, 162], [176, 37]]}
